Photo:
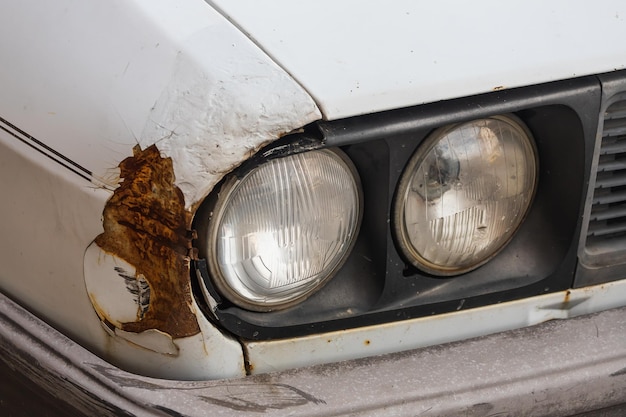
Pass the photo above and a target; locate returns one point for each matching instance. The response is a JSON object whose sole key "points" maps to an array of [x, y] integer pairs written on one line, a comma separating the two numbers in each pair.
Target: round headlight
{"points": [[464, 193], [281, 231]]}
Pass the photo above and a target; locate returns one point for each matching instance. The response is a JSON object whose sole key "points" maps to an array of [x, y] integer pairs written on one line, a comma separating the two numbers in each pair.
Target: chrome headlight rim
{"points": [[220, 199], [400, 234]]}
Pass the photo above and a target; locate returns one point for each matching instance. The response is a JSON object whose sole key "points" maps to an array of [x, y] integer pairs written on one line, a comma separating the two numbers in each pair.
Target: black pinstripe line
{"points": [[47, 151]]}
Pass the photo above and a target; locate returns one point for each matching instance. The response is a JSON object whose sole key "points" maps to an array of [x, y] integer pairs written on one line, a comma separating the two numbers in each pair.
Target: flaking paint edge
{"points": [[210, 122], [217, 111]]}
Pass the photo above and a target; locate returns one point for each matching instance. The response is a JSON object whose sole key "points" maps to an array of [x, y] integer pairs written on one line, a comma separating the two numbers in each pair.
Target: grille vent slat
{"points": [[609, 213], [608, 198], [612, 146], [607, 221], [613, 127], [617, 111], [605, 230], [612, 165], [609, 181]]}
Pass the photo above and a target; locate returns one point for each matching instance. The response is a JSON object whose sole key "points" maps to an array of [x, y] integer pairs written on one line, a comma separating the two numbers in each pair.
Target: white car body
{"points": [[82, 84]]}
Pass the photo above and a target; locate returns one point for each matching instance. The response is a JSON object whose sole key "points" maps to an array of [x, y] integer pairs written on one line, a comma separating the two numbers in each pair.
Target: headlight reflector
{"points": [[280, 232], [464, 193]]}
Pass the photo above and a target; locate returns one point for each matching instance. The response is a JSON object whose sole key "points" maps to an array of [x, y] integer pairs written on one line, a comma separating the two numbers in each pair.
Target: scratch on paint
{"points": [[139, 288], [252, 396]]}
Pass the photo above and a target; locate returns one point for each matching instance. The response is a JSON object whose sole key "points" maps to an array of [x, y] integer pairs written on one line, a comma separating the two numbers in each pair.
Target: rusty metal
{"points": [[146, 224]]}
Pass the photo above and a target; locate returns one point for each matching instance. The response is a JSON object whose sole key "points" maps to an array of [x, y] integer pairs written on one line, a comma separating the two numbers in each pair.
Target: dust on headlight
{"points": [[464, 193]]}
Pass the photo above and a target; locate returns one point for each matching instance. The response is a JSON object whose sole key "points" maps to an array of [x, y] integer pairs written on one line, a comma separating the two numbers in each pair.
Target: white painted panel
{"points": [[270, 356], [91, 79], [357, 56], [82, 82]]}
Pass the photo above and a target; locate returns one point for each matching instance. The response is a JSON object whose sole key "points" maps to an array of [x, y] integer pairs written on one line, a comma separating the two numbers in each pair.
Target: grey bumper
{"points": [[558, 368]]}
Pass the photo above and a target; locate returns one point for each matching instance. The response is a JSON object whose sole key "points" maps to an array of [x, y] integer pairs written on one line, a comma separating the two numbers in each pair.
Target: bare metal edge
{"points": [[557, 368]]}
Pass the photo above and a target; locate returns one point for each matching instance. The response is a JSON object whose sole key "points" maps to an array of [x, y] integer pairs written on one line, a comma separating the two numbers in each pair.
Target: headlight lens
{"points": [[282, 230], [464, 193]]}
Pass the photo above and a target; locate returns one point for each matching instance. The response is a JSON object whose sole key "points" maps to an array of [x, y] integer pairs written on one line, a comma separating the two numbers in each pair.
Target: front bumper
{"points": [[557, 368]]}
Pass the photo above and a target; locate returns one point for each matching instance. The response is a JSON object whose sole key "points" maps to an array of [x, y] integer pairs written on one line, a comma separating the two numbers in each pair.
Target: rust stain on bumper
{"points": [[146, 224]]}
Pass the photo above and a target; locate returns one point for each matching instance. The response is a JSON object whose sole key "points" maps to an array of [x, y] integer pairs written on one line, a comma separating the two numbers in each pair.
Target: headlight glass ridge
{"points": [[464, 194], [280, 232]]}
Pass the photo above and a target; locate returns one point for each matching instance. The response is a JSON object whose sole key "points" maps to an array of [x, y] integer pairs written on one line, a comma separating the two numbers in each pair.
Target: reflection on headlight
{"points": [[282, 230]]}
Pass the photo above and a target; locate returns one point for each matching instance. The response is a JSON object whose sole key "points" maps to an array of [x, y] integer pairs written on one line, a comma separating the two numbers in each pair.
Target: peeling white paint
{"points": [[225, 100], [208, 354], [154, 340], [107, 288], [175, 74]]}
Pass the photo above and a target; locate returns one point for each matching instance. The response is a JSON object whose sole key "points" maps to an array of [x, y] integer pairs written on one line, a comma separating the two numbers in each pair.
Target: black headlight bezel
{"points": [[210, 217], [376, 284]]}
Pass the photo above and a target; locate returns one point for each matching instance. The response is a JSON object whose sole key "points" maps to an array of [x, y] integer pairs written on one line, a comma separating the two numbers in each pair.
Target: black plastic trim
{"points": [[377, 285]]}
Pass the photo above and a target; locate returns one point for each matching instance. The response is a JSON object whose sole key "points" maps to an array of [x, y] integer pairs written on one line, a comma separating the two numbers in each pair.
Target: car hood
{"points": [[357, 57]]}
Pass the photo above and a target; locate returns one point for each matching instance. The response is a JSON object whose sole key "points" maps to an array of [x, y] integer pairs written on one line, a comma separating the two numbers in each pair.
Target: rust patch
{"points": [[146, 224], [566, 304], [568, 293]]}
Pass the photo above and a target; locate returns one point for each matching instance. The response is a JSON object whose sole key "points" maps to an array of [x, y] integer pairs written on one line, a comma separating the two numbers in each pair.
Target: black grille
{"points": [[607, 222]]}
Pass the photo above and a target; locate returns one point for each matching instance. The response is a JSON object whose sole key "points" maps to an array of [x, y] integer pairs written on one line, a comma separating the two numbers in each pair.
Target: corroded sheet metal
{"points": [[145, 224], [214, 99]]}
